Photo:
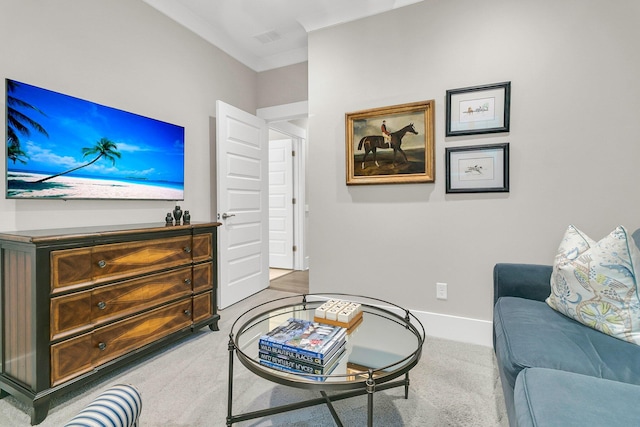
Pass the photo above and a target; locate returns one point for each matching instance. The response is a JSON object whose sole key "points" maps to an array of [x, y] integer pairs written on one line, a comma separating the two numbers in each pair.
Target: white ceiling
{"points": [[267, 34]]}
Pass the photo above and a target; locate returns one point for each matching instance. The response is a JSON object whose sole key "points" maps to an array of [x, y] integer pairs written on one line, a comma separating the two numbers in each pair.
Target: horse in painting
{"points": [[372, 143]]}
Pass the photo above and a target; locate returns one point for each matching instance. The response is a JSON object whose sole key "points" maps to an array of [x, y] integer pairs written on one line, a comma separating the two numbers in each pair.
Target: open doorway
{"points": [[289, 123], [287, 195], [281, 201], [287, 211]]}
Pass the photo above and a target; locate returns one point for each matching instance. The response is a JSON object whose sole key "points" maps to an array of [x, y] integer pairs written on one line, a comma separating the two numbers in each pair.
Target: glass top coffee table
{"points": [[380, 351]]}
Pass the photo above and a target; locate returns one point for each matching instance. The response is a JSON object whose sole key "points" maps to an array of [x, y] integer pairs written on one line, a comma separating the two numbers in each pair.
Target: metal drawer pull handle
{"points": [[102, 263], [187, 249], [187, 281], [102, 346], [187, 312], [102, 305]]}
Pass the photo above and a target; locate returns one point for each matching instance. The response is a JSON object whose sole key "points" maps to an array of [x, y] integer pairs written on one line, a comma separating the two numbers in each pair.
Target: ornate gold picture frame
{"points": [[391, 145]]}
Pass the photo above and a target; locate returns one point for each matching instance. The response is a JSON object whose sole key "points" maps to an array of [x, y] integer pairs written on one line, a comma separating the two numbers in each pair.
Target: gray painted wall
{"points": [[575, 127], [126, 55], [283, 85], [573, 66]]}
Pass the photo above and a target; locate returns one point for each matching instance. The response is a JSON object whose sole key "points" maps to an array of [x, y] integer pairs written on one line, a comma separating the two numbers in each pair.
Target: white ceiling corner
{"points": [[267, 34]]}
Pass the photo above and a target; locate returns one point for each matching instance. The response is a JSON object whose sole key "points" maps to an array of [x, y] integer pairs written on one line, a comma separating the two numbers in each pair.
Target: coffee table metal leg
{"points": [[231, 347], [406, 385], [334, 414], [371, 388]]}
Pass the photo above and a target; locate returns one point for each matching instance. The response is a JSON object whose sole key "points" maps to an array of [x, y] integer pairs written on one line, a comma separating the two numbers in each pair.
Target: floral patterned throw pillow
{"points": [[595, 283]]}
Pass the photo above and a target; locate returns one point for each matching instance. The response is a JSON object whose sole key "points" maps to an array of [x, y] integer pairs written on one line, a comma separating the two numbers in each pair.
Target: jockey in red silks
{"points": [[385, 133]]}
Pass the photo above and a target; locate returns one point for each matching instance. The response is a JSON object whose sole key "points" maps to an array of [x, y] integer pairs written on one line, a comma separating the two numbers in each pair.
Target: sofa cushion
{"points": [[531, 334], [546, 397], [595, 282]]}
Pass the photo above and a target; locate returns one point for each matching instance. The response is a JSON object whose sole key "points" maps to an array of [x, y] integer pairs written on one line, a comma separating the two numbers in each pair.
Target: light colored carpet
{"points": [[454, 384]]}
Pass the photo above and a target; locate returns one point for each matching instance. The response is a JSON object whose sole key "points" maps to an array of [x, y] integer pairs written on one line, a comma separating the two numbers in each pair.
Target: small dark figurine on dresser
{"points": [[168, 220], [177, 214], [186, 219]]}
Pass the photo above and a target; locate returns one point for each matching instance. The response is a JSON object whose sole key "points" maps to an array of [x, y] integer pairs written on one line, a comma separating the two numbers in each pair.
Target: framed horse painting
{"points": [[391, 145]]}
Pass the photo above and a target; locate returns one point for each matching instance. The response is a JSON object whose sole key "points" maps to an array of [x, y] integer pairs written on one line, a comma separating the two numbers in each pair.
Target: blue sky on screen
{"points": [[150, 149]]}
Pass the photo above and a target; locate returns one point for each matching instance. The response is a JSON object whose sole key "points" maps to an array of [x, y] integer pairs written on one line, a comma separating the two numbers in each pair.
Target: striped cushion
{"points": [[119, 406]]}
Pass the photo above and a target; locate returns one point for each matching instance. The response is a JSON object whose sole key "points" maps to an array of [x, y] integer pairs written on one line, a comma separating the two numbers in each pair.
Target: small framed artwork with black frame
{"points": [[478, 109], [477, 169]]}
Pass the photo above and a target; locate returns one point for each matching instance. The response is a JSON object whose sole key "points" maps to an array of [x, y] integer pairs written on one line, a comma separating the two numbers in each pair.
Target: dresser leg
{"points": [[40, 411], [3, 394]]}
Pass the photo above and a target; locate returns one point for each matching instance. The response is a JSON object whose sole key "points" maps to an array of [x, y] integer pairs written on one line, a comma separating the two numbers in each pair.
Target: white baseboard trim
{"points": [[455, 328]]}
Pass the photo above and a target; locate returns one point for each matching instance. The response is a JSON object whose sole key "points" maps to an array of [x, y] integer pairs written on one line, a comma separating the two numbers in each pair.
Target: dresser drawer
{"points": [[128, 259], [202, 307], [78, 355], [70, 358], [74, 268], [70, 314], [71, 268], [84, 310], [115, 340], [115, 301], [202, 277], [202, 247]]}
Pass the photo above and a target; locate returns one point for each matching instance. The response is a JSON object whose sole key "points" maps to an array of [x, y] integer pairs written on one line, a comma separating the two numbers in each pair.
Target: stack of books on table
{"points": [[303, 347]]}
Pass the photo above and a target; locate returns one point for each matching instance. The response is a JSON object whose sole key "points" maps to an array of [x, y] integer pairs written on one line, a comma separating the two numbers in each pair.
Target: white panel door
{"points": [[243, 205], [280, 204]]}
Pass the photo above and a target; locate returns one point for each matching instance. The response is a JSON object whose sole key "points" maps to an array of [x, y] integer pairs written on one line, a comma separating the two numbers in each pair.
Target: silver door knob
{"points": [[226, 215]]}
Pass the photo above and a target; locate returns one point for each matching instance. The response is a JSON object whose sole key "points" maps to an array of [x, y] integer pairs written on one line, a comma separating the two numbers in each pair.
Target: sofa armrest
{"points": [[118, 406], [529, 281]]}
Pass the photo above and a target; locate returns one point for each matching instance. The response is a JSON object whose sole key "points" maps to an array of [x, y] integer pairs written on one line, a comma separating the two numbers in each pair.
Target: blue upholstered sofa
{"points": [[556, 371]]}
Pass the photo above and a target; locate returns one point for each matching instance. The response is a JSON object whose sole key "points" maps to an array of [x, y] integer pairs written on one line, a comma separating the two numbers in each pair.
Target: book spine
{"points": [[292, 371], [334, 342], [270, 348], [328, 366], [292, 364], [292, 349], [336, 336]]}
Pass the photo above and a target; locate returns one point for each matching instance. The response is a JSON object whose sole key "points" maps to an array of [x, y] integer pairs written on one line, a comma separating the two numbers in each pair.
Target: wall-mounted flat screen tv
{"points": [[62, 147]]}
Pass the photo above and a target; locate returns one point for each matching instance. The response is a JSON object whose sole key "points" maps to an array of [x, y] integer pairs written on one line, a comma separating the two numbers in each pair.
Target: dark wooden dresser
{"points": [[77, 303]]}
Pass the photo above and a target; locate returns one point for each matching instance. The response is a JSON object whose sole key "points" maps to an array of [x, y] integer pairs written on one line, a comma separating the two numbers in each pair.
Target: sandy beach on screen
{"points": [[68, 187]]}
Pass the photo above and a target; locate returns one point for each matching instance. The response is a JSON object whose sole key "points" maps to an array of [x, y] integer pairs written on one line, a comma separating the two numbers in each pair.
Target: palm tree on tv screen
{"points": [[15, 153], [104, 148], [19, 124]]}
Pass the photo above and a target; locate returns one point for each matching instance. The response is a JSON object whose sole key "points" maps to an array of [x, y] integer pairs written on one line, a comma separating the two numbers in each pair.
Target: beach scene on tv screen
{"points": [[62, 147]]}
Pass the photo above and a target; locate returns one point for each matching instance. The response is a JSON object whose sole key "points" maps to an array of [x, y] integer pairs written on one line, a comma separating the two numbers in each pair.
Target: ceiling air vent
{"points": [[268, 37]]}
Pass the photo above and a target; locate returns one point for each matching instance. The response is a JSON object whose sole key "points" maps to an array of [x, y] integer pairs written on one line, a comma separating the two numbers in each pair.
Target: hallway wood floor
{"points": [[296, 282]]}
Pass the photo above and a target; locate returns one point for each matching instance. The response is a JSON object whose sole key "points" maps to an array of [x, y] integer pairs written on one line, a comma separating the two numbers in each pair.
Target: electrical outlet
{"points": [[441, 290]]}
